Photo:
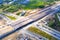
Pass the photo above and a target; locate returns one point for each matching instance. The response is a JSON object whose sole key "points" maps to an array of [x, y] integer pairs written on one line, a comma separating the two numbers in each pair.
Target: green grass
{"points": [[51, 24], [33, 4], [36, 4], [56, 17], [18, 13], [13, 8], [11, 17], [37, 31], [55, 23], [57, 20]]}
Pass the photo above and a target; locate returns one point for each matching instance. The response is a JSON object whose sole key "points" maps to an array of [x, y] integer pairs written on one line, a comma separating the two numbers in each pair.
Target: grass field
{"points": [[32, 4], [11, 17], [37, 31]]}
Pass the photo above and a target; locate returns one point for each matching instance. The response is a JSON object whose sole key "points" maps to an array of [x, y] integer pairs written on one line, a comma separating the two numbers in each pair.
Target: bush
{"points": [[41, 6]]}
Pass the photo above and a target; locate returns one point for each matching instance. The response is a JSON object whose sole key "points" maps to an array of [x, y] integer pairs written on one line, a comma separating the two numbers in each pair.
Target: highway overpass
{"points": [[21, 23]]}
